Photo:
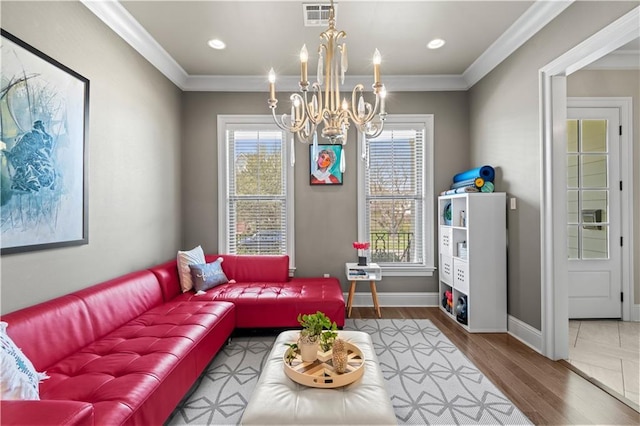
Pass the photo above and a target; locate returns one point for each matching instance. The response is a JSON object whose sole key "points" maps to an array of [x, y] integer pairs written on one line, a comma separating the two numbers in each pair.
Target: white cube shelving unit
{"points": [[478, 274]]}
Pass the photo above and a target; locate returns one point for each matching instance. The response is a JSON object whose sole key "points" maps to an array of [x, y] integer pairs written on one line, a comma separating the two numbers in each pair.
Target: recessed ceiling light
{"points": [[216, 44], [436, 43]]}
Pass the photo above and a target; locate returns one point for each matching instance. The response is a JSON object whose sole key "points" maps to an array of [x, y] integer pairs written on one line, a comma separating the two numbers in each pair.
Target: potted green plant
{"points": [[313, 326], [328, 337]]}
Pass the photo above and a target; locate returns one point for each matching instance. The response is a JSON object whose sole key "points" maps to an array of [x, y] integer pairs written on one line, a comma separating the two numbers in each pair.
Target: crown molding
{"points": [[617, 61], [287, 83], [116, 17], [610, 38], [526, 26]]}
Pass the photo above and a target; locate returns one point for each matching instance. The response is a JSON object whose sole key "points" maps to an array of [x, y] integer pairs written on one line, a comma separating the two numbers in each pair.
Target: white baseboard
{"points": [[395, 299], [635, 313], [518, 329], [525, 333]]}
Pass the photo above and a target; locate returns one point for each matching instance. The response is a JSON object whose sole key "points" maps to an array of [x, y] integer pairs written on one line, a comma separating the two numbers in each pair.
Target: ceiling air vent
{"points": [[317, 14]]}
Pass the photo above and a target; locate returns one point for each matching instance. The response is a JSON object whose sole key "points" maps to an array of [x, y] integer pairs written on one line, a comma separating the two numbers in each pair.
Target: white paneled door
{"points": [[594, 213]]}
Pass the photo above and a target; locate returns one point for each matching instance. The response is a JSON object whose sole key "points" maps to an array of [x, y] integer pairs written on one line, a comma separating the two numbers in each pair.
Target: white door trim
{"points": [[553, 104], [625, 106]]}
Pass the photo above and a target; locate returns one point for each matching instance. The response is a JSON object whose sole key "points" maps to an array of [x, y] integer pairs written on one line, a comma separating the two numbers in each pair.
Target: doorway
{"points": [[553, 109], [602, 348]]}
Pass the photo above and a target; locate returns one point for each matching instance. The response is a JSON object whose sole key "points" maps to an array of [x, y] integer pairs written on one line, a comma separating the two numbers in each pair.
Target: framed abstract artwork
{"points": [[325, 161], [44, 116]]}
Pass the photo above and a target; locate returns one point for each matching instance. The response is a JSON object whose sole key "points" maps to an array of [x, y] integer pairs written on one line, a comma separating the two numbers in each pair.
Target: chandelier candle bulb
{"points": [[377, 59], [304, 58], [272, 85]]}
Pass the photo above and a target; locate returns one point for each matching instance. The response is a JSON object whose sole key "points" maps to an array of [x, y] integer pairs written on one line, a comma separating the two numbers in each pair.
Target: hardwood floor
{"points": [[548, 392]]}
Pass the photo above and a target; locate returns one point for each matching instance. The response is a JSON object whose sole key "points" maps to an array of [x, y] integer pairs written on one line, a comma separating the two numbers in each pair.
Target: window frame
{"points": [[405, 121], [252, 122]]}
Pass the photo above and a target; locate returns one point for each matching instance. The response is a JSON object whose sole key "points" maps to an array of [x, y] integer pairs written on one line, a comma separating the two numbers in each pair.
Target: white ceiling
{"points": [[259, 35]]}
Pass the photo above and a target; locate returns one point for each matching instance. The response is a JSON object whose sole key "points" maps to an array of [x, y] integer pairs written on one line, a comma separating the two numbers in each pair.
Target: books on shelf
{"points": [[370, 272], [357, 273]]}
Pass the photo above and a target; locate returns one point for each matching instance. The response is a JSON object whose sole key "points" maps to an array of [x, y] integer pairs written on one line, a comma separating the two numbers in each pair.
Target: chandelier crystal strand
{"points": [[315, 145], [344, 62], [320, 77], [293, 152], [326, 105]]}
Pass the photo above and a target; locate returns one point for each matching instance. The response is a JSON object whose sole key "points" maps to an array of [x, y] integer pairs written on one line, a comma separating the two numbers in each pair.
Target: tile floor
{"points": [[608, 351]]}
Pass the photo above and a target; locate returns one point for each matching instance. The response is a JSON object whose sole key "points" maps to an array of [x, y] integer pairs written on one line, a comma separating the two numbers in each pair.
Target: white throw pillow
{"points": [[194, 256], [18, 380]]}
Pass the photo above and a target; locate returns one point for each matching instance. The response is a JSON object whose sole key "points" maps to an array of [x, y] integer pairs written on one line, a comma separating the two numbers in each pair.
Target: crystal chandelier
{"points": [[325, 105]]}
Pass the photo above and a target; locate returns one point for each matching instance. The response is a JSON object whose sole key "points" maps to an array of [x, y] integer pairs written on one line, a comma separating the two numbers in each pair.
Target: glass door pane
{"points": [[593, 136], [587, 189]]}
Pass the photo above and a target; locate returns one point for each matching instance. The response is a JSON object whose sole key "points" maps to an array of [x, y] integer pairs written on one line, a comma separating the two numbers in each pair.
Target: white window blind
{"points": [[256, 204], [396, 196]]}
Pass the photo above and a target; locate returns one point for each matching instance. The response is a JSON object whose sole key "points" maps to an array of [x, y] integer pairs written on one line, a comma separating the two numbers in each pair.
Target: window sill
{"points": [[407, 271]]}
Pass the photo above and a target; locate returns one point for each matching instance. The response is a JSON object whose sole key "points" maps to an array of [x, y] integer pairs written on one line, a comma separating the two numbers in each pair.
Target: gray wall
{"points": [[593, 83], [134, 147], [153, 159], [505, 131], [325, 217]]}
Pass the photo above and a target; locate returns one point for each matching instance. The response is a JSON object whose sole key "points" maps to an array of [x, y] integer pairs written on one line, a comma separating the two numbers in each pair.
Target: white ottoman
{"points": [[278, 400]]}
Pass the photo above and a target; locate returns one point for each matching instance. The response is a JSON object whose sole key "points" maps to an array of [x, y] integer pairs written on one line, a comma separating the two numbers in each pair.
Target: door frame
{"points": [[624, 105], [553, 116]]}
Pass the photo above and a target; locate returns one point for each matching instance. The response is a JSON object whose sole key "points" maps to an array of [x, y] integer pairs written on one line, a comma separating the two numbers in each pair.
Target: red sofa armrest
{"points": [[46, 412]]}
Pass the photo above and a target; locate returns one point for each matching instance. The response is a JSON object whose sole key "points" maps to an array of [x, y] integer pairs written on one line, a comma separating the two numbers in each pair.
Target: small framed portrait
{"points": [[325, 164]]}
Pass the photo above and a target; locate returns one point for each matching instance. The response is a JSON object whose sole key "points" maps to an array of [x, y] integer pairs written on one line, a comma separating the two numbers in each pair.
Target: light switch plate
{"points": [[513, 203]]}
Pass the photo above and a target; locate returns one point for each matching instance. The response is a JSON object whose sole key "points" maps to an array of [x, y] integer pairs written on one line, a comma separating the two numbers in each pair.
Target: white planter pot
{"points": [[309, 351]]}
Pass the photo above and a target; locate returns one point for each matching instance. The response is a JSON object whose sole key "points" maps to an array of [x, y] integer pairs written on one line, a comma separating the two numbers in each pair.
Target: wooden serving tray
{"points": [[320, 373]]}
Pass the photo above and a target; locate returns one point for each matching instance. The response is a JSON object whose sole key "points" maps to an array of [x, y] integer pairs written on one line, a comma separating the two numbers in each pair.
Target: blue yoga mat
{"points": [[462, 183], [485, 172], [471, 188]]}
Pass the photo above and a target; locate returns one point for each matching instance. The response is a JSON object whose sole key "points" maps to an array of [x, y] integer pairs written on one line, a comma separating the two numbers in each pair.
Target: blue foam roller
{"points": [[485, 172]]}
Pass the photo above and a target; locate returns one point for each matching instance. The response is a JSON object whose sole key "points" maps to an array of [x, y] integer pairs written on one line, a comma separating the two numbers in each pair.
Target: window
{"points": [[395, 195], [255, 184]]}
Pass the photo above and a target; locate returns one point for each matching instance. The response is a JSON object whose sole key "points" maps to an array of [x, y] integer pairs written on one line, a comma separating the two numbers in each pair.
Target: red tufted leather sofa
{"points": [[263, 294], [127, 350]]}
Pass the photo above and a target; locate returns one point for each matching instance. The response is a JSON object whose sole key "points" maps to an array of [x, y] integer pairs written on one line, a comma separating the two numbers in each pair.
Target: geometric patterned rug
{"points": [[428, 379]]}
